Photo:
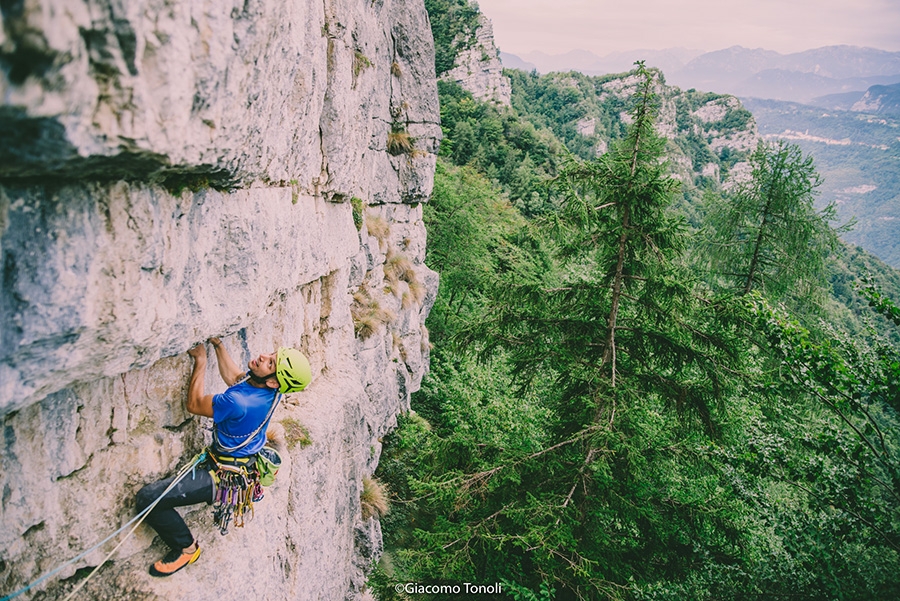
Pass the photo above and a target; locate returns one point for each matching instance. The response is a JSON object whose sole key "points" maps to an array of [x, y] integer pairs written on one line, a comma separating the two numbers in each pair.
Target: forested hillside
{"points": [[656, 373]]}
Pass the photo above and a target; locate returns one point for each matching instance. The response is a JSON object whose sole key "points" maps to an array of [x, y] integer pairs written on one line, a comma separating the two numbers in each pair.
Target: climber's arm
{"points": [[198, 403], [228, 369]]}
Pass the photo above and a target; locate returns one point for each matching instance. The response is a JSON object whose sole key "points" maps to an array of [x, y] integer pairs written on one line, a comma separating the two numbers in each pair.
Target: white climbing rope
{"points": [[139, 518]]}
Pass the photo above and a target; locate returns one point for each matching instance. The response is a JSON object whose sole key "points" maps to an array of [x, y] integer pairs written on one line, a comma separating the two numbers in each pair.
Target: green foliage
{"points": [[453, 25], [295, 433], [559, 100], [360, 63], [735, 454], [849, 310], [552, 116], [880, 302], [513, 153], [822, 460], [546, 464], [358, 207], [697, 148], [858, 166], [473, 236], [737, 119], [624, 292], [766, 235], [546, 592], [585, 114]]}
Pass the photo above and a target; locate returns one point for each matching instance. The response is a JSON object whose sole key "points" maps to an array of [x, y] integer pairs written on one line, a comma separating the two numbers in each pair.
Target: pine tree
{"points": [[636, 364], [766, 234], [621, 311]]}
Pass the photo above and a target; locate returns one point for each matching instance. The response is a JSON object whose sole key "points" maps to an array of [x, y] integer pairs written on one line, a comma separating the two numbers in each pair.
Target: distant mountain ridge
{"points": [[511, 61], [587, 62], [880, 100], [780, 84], [841, 62], [877, 100], [760, 73]]}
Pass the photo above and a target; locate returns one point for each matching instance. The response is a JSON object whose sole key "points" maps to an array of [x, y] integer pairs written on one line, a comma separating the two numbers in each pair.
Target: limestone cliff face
{"points": [[478, 68], [171, 171]]}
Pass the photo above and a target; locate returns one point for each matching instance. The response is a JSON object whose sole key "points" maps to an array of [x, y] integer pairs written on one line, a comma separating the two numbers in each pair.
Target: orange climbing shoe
{"points": [[173, 561]]}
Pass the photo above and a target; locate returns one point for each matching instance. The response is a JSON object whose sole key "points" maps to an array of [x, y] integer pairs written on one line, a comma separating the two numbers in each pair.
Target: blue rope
{"points": [[184, 472]]}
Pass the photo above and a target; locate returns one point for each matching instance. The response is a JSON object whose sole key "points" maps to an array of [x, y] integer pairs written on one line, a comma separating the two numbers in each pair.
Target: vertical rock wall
{"points": [[171, 171], [478, 69]]}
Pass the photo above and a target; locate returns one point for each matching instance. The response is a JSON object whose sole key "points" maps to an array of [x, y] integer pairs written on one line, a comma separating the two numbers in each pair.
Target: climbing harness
{"points": [[139, 518], [237, 479], [237, 488], [239, 484]]}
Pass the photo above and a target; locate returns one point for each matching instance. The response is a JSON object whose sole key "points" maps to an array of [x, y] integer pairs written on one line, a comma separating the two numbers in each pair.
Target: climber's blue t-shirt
{"points": [[238, 412]]}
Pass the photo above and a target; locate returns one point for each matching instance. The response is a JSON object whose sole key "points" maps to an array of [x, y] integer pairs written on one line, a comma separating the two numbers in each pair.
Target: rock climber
{"points": [[240, 416]]}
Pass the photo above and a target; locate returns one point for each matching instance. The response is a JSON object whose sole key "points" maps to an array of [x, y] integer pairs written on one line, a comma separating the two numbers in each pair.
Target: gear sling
{"points": [[239, 481]]}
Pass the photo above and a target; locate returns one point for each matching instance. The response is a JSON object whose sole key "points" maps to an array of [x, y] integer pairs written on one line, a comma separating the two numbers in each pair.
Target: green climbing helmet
{"points": [[292, 370]]}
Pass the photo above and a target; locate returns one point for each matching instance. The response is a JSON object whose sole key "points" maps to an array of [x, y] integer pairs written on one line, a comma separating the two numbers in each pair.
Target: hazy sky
{"points": [[604, 26]]}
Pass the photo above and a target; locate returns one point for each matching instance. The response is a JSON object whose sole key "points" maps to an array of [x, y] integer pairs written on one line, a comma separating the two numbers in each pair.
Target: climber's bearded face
{"points": [[264, 365]]}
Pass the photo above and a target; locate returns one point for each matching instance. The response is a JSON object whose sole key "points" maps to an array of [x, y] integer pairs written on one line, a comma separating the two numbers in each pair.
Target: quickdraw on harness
{"points": [[236, 478], [237, 488]]}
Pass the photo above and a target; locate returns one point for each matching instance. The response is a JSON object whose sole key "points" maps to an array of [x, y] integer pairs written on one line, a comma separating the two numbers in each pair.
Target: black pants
{"points": [[168, 523]]}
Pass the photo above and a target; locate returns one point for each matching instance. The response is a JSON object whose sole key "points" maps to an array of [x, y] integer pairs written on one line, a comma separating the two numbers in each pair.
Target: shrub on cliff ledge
{"points": [[398, 267], [295, 433], [358, 207], [368, 315], [374, 499], [378, 228], [399, 142], [360, 63]]}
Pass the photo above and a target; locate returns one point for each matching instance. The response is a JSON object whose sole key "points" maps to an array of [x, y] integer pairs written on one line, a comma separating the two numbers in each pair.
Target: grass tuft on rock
{"points": [[295, 433], [374, 498]]}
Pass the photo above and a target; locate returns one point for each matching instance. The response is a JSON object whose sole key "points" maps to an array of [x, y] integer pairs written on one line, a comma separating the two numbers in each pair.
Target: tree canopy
{"points": [[632, 397]]}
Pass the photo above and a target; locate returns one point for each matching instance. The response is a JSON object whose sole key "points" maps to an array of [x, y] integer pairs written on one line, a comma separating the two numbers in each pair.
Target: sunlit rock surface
{"points": [[478, 68]]}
